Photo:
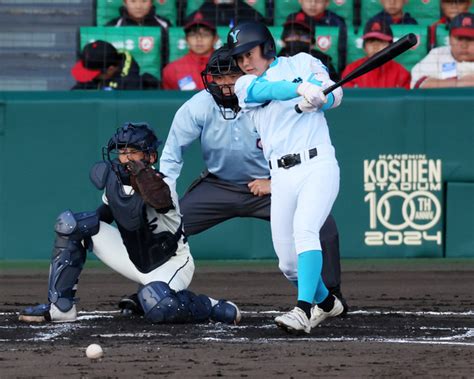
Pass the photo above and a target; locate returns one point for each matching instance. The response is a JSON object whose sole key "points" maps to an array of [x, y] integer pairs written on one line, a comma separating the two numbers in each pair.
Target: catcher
{"points": [[148, 245]]}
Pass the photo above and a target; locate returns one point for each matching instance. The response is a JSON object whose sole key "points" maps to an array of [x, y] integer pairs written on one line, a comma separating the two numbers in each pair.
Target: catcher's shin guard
{"points": [[69, 256]]}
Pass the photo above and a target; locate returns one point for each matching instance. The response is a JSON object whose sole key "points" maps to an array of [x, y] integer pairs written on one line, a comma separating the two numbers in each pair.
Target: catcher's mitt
{"points": [[150, 185]]}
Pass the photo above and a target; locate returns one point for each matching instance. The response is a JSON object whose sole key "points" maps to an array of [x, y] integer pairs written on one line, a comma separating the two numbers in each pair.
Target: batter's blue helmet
{"points": [[244, 37]]}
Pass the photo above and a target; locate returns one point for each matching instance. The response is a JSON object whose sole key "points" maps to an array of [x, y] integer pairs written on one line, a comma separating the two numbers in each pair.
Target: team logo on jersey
{"points": [[341, 2], [404, 198], [323, 42], [259, 144], [234, 35], [146, 44]]}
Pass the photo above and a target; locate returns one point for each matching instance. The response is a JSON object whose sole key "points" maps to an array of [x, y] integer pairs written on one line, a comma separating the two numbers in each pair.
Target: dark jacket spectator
{"points": [[326, 18], [149, 19], [385, 18], [228, 13], [102, 67], [298, 37]]}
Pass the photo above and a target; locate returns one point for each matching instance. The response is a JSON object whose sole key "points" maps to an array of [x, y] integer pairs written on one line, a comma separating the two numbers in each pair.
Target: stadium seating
{"points": [[407, 59], [144, 43], [423, 11], [259, 5], [107, 10], [344, 8], [442, 35], [38, 42]]}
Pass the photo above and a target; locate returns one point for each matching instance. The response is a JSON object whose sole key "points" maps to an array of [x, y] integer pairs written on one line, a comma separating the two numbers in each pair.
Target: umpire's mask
{"points": [[219, 78]]}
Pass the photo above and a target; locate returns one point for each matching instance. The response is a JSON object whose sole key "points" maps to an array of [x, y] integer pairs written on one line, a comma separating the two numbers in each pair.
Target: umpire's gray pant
{"points": [[210, 201]]}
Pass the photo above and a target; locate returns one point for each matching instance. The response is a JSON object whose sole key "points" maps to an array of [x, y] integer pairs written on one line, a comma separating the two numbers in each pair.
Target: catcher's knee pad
{"points": [[77, 226], [160, 304], [69, 255], [199, 307]]}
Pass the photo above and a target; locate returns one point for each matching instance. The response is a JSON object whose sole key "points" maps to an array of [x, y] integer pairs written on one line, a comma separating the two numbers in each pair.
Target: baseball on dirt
{"points": [[94, 351]]}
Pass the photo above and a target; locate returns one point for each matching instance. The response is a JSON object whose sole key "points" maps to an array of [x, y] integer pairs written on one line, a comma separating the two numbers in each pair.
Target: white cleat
{"points": [[59, 316], [47, 313], [318, 315], [294, 321]]}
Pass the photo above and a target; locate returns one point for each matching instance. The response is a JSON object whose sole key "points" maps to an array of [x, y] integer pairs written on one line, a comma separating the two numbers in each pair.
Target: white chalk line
{"points": [[340, 339], [97, 314], [51, 331]]}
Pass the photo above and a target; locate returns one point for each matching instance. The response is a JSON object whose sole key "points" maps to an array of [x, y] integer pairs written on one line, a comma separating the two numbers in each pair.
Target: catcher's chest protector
{"points": [[146, 249]]}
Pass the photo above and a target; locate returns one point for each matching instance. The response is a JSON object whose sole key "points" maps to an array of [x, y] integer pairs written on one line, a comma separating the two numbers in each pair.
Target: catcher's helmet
{"points": [[222, 64], [244, 37], [137, 135], [134, 135]]}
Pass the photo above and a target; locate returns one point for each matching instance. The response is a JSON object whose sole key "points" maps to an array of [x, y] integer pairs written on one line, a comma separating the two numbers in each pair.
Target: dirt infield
{"points": [[404, 321]]}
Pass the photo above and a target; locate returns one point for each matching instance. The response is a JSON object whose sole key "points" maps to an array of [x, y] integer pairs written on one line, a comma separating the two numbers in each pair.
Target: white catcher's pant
{"points": [[302, 198], [109, 248]]}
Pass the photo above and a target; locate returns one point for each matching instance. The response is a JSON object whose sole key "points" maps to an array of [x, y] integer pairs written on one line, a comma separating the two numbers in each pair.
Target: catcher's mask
{"points": [[137, 136], [221, 64]]}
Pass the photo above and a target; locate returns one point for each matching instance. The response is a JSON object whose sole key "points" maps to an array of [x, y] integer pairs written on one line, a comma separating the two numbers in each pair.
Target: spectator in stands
{"points": [[393, 13], [376, 37], [315, 13], [185, 73], [228, 12], [101, 66], [298, 36], [449, 66], [143, 13], [449, 10], [139, 13]]}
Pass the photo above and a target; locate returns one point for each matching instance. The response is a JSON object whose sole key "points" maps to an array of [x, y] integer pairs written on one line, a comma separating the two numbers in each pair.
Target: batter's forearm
{"points": [[262, 91]]}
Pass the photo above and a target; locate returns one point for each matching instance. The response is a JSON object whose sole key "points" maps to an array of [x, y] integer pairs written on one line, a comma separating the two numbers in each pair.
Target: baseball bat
{"points": [[383, 56]]}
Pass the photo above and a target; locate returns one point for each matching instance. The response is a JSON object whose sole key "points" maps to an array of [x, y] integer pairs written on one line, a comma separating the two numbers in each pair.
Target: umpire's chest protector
{"points": [[146, 250]]}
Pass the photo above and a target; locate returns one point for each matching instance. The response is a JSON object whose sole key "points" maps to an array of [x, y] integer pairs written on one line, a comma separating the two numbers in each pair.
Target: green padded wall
{"points": [[107, 10], [397, 158], [460, 219], [143, 42]]}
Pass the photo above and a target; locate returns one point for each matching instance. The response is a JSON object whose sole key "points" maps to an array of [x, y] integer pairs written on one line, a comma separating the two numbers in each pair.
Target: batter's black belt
{"points": [[291, 160]]}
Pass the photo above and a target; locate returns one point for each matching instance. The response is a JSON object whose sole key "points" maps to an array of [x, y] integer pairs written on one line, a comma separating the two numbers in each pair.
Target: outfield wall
{"points": [[407, 170]]}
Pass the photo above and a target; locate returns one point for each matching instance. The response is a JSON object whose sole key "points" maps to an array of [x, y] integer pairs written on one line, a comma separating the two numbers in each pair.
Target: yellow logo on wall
{"points": [[403, 194]]}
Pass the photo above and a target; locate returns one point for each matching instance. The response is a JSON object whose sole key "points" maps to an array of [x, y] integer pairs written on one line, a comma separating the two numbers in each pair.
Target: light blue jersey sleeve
{"points": [[184, 130], [254, 90]]}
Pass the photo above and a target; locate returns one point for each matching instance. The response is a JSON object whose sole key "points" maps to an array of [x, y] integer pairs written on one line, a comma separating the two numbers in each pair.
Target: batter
{"points": [[303, 166]]}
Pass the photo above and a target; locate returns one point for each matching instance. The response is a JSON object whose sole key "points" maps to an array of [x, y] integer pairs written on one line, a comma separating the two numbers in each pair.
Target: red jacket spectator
{"points": [[391, 74], [185, 73], [378, 36]]}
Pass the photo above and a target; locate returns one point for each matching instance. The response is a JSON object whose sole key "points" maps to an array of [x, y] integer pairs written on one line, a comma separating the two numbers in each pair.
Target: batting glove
{"points": [[305, 106], [313, 94]]}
